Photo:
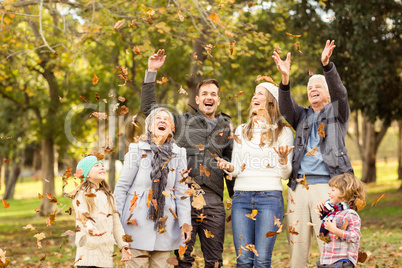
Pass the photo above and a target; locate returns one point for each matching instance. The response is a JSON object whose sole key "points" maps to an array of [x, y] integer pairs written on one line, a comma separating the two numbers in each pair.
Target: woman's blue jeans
{"points": [[248, 231]]}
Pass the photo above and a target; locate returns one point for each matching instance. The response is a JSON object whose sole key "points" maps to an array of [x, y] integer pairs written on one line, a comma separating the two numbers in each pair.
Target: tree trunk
{"points": [[400, 150], [369, 153], [11, 181], [47, 162]]}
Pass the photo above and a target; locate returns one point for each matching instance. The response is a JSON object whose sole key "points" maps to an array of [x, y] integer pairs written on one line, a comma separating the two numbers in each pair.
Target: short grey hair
{"points": [[150, 118], [317, 76]]}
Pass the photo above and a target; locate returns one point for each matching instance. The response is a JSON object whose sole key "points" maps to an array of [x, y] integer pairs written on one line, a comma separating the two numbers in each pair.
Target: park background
{"points": [[70, 84]]}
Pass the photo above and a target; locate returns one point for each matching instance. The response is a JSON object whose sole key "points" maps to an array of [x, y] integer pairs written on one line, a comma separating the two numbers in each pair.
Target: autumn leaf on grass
{"points": [[228, 204], [321, 130], [83, 98], [291, 230], [232, 46], [214, 18], [127, 238], [250, 247], [29, 226], [208, 234], [164, 81], [201, 218], [266, 78], [118, 24], [293, 35], [182, 250], [208, 48], [5, 204], [182, 90], [200, 146], [360, 204], [377, 199], [235, 137], [254, 213], [303, 182], [297, 46], [238, 94], [39, 237], [326, 239], [345, 224], [198, 201], [95, 80], [312, 152], [172, 260], [203, 171]]}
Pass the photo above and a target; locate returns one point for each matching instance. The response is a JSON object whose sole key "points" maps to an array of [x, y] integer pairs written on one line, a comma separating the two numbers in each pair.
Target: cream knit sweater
{"points": [[97, 250], [256, 175]]}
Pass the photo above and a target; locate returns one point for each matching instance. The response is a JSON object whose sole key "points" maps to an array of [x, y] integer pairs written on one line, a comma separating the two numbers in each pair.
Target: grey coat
{"points": [[334, 115], [135, 177]]}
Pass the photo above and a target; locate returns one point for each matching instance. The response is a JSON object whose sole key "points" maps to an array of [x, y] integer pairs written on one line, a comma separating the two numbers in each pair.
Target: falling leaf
{"points": [[291, 199], [293, 35], [361, 257], [123, 109], [83, 98], [232, 46], [39, 237], [303, 182], [182, 90], [193, 75], [345, 224], [5, 204], [228, 204], [118, 24], [199, 147], [167, 161], [90, 195], [310, 73], [266, 78], [99, 156], [269, 166], [173, 214], [321, 130], [95, 80], [238, 94], [133, 202], [377, 199], [360, 204], [330, 18], [172, 260], [127, 238], [312, 152], [7, 160], [277, 222], [182, 250], [164, 81], [208, 48], [133, 222], [270, 234], [278, 50], [181, 17], [204, 171], [214, 18], [297, 46], [149, 197], [208, 234], [251, 247], [201, 217], [80, 258], [68, 232], [29, 226], [69, 211], [37, 210], [195, 55], [326, 239], [242, 167], [235, 137], [254, 213], [290, 211], [291, 230], [100, 116], [310, 224], [198, 201], [294, 223], [250, 4], [133, 120]]}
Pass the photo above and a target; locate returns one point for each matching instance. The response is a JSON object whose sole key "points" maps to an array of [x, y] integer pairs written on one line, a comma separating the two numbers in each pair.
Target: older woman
{"points": [[259, 162], [148, 193]]}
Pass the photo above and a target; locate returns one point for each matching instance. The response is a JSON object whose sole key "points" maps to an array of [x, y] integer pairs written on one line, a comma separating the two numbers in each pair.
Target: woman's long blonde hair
{"points": [[87, 186], [271, 116]]}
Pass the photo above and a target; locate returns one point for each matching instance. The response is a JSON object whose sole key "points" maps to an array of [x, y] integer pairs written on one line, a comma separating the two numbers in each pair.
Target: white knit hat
{"points": [[271, 88]]}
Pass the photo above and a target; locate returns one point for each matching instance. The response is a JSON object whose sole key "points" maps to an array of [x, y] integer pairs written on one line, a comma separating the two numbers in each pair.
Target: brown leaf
{"points": [[7, 160], [133, 202], [377, 199], [90, 195], [254, 213], [100, 116], [182, 90], [164, 81], [5, 204], [310, 73], [312, 152], [123, 109], [95, 80], [291, 230], [167, 161], [266, 78], [238, 94], [297, 46], [182, 250], [208, 48], [198, 201], [208, 234], [361, 257], [214, 18], [291, 199], [172, 260], [83, 98], [360, 204], [173, 213], [345, 224], [180, 15], [321, 130], [200, 147], [303, 182], [195, 55], [228, 204], [69, 211], [278, 50], [136, 50], [118, 24], [204, 171], [251, 247], [127, 238], [290, 211], [235, 137], [243, 167], [293, 35], [250, 4], [201, 217], [68, 232], [143, 155], [326, 239], [29, 226], [232, 46]]}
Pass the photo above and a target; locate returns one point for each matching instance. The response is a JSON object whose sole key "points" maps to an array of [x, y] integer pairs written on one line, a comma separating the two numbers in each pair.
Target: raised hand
{"points": [[283, 66], [283, 152], [156, 60], [223, 164], [327, 52]]}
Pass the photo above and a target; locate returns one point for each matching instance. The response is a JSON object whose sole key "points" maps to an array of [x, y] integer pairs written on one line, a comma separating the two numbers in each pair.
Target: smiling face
{"points": [[161, 125], [208, 99], [335, 195], [97, 173], [259, 100], [318, 95]]}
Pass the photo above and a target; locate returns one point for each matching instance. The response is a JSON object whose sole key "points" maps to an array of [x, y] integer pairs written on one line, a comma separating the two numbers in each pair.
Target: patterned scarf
{"points": [[329, 212], [159, 178]]}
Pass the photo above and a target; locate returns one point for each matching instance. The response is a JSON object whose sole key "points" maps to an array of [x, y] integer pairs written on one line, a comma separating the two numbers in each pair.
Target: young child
{"points": [[340, 228], [98, 224]]}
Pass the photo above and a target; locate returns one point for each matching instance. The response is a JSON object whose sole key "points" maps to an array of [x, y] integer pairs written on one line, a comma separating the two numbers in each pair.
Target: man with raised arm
{"points": [[204, 134], [319, 152]]}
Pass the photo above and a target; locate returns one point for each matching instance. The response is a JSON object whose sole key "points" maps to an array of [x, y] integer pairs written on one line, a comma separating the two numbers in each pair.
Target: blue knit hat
{"points": [[87, 163]]}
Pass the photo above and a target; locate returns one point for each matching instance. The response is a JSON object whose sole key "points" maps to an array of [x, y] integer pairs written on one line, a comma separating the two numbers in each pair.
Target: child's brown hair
{"points": [[350, 187]]}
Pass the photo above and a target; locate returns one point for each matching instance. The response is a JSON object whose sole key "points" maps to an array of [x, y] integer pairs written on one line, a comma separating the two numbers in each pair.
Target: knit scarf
{"points": [[329, 212], [159, 177]]}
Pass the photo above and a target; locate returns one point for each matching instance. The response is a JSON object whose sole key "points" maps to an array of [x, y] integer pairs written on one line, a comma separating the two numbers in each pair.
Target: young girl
{"points": [[98, 224], [340, 228]]}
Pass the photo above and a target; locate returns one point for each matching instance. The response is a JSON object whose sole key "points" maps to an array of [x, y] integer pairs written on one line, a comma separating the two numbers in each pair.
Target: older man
{"points": [[208, 131], [319, 153]]}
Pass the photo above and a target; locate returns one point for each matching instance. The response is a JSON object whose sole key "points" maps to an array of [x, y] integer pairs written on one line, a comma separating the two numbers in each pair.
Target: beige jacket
{"points": [[97, 250]]}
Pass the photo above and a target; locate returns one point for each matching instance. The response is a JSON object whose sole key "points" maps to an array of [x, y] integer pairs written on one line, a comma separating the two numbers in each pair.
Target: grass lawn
{"points": [[381, 228]]}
